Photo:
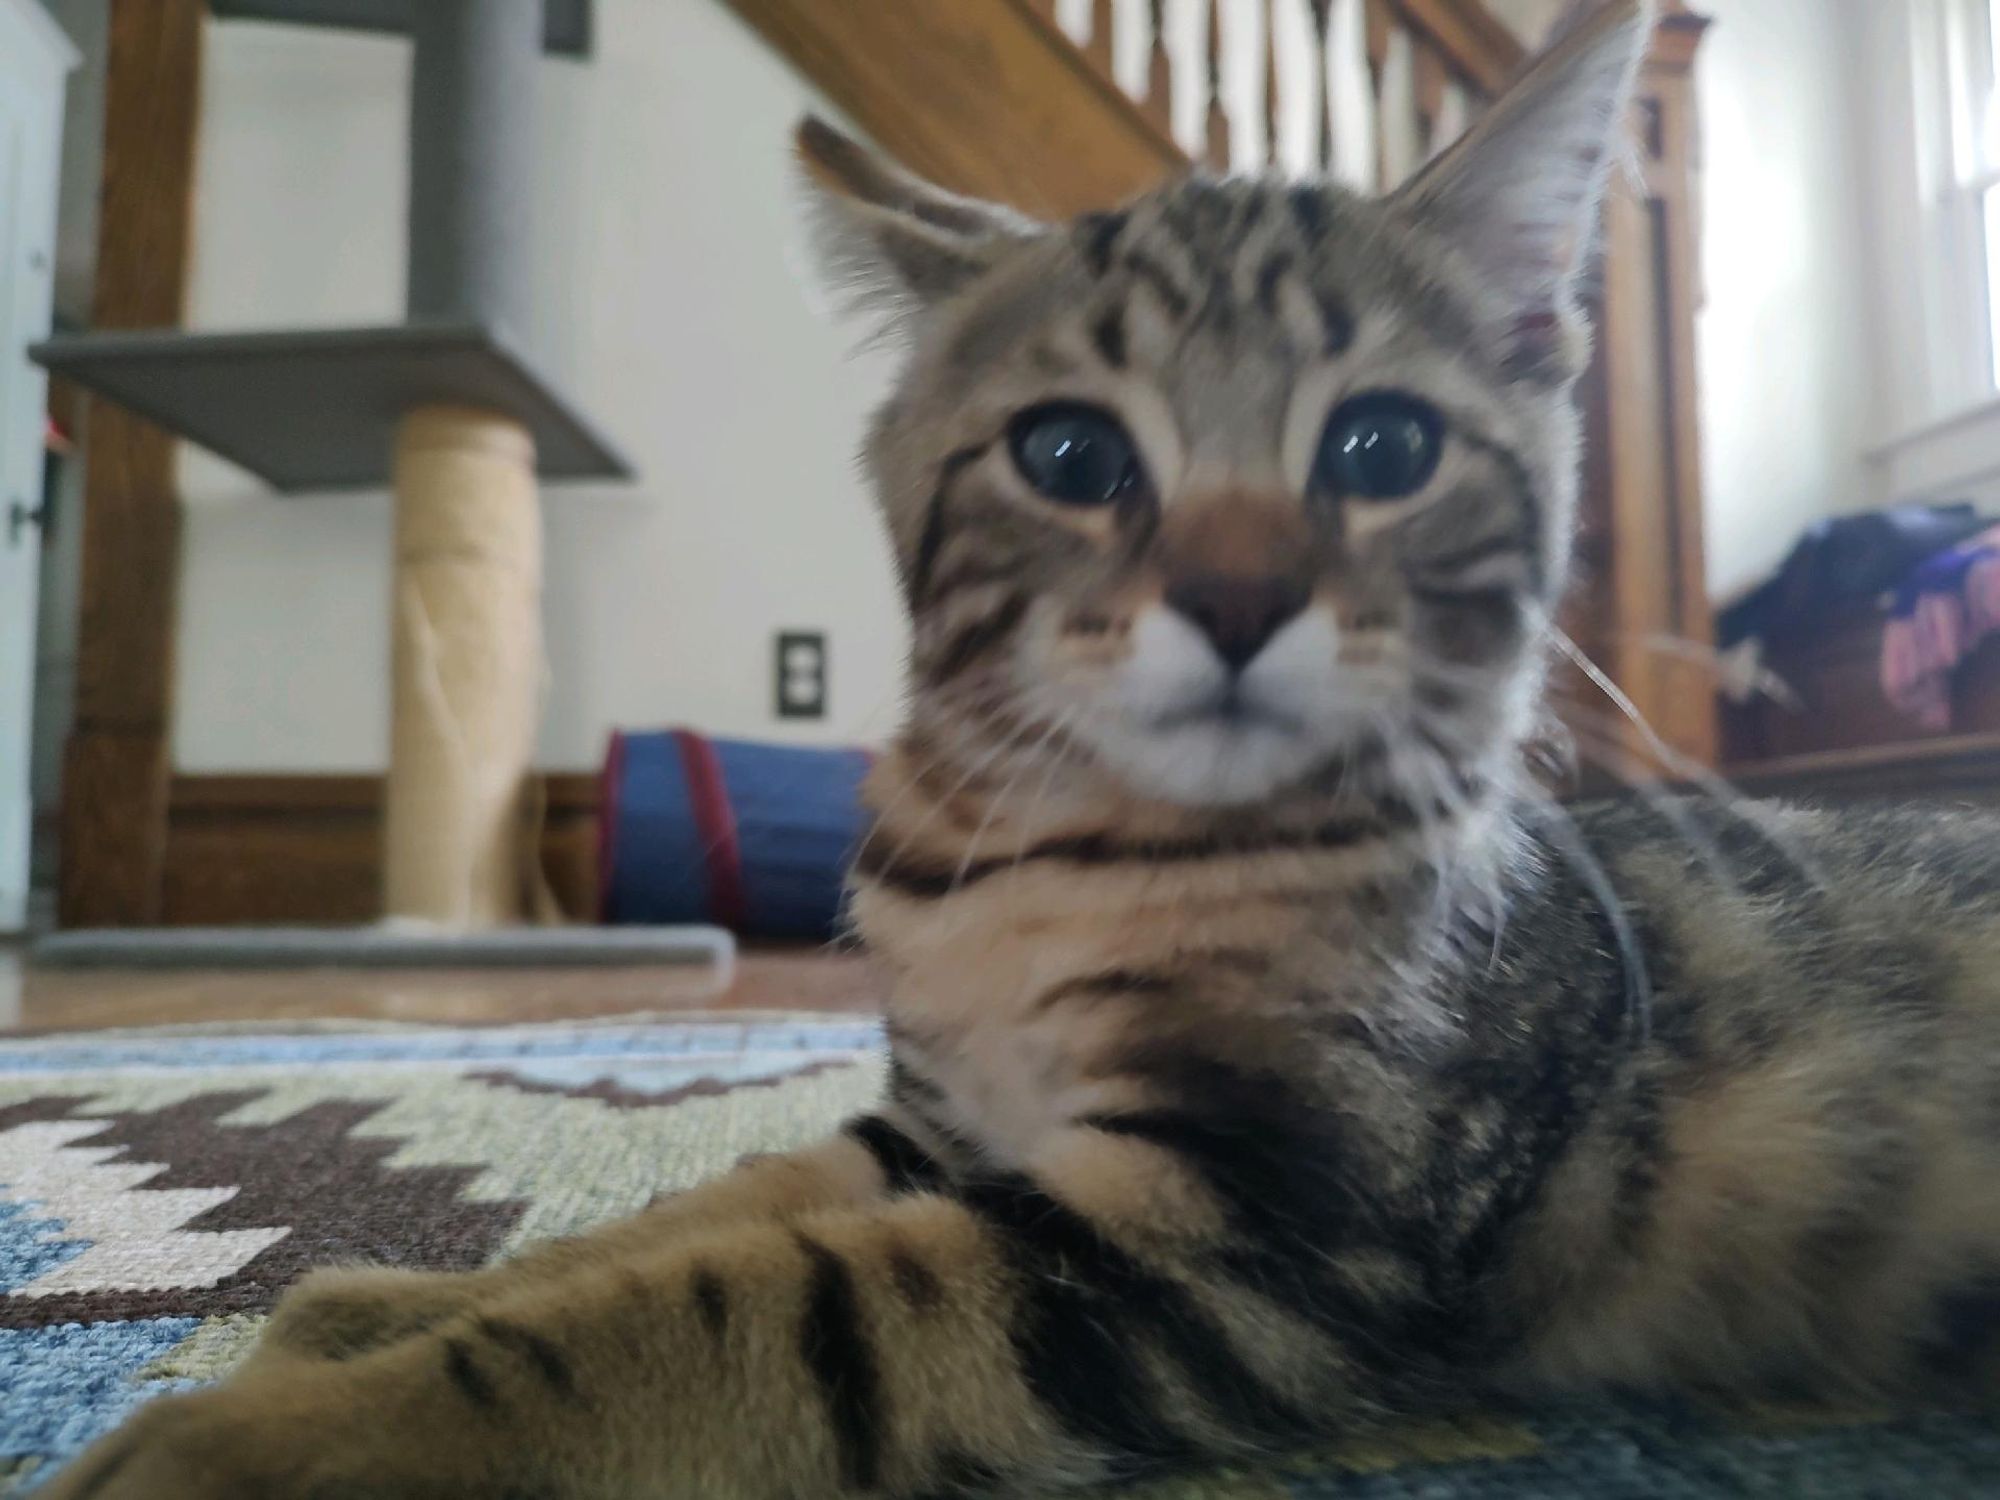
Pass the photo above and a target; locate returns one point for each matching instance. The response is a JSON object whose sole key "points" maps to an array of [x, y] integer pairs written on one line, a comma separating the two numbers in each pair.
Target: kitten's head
{"points": [[1248, 483]]}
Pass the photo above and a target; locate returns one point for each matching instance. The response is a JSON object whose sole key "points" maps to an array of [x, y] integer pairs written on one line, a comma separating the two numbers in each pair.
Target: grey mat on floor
{"points": [[385, 947]]}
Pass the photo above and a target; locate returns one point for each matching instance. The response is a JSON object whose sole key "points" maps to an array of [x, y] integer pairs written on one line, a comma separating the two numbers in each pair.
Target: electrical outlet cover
{"points": [[800, 666]]}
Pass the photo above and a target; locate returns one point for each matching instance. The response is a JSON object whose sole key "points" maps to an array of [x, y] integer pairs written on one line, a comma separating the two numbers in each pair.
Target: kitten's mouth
{"points": [[1229, 710]]}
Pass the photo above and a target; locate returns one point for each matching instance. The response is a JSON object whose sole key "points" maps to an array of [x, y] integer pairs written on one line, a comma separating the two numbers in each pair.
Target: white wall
{"points": [[671, 300]]}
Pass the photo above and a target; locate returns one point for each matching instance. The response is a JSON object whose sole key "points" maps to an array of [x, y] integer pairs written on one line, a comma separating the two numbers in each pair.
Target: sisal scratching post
{"points": [[467, 668]]}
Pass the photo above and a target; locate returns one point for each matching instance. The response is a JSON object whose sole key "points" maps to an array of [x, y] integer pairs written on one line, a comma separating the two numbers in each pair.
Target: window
{"points": [[1976, 132], [1924, 85], [1964, 44]]}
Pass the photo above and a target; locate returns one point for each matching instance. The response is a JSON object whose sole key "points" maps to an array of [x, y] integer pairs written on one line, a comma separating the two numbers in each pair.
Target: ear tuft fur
{"points": [[895, 240]]}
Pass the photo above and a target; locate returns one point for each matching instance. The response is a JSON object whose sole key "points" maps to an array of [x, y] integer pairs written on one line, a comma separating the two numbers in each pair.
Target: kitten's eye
{"points": [[1381, 446], [1075, 455]]}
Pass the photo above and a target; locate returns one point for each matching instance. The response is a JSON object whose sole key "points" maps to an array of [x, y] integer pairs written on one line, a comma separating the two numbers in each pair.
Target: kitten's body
{"points": [[1717, 1107], [1268, 1057]]}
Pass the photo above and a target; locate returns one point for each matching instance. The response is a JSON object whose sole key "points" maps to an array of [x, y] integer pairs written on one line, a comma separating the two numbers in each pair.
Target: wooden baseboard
{"points": [[1955, 768], [254, 848], [113, 826]]}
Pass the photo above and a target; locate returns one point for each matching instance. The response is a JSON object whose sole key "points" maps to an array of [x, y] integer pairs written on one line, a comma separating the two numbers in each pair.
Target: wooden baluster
{"points": [[1381, 34], [1271, 82], [1098, 49], [1432, 80], [1160, 71], [1216, 150], [1322, 94], [1044, 8], [1459, 108]]}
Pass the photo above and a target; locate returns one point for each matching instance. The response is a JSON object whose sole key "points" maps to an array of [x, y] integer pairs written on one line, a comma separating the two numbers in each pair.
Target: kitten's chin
{"points": [[1210, 762]]}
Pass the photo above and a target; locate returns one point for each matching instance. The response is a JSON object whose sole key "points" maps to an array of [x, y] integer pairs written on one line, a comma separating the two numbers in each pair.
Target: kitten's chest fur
{"points": [[978, 1007], [1027, 1005], [1003, 1085], [1043, 967]]}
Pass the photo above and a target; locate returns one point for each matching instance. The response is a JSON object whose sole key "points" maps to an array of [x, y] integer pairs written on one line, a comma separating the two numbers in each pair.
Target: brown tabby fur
{"points": [[1255, 1079]]}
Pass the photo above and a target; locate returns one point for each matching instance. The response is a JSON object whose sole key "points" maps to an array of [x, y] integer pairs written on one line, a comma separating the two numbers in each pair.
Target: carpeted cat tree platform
{"points": [[450, 410]]}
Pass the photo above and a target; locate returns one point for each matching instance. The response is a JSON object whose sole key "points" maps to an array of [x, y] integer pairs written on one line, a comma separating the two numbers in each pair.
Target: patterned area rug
{"points": [[158, 1190]]}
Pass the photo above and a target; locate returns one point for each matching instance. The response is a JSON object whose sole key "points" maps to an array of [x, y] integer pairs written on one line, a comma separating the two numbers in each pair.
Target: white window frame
{"points": [[1958, 167], [1923, 79]]}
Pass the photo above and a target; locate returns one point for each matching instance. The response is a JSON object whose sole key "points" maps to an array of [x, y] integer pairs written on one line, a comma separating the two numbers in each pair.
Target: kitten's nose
{"points": [[1238, 612]]}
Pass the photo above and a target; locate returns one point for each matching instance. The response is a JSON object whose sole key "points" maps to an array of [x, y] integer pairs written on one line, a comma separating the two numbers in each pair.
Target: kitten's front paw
{"points": [[293, 1431], [199, 1447], [337, 1314]]}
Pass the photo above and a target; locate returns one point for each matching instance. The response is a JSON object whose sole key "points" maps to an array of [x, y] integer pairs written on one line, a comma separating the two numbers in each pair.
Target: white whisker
{"points": [[1689, 769], [1009, 741]]}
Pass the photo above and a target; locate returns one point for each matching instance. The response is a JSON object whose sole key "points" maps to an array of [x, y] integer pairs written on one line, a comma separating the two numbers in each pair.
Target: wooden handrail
{"points": [[993, 97], [983, 96], [1478, 44]]}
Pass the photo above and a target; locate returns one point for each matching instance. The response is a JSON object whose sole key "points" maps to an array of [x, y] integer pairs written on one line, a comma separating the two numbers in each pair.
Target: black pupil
{"points": [[1379, 448], [1077, 457]]}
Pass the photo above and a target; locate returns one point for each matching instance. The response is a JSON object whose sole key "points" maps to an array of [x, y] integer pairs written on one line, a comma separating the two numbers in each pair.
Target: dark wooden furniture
{"points": [[1641, 609], [1960, 768], [115, 765], [1836, 676]]}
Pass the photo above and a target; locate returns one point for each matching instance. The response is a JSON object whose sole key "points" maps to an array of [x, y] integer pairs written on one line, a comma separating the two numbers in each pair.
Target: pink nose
{"points": [[1239, 613]]}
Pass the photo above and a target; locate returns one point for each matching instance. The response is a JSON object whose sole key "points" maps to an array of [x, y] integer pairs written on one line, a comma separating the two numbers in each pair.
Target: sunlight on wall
{"points": [[1783, 348]]}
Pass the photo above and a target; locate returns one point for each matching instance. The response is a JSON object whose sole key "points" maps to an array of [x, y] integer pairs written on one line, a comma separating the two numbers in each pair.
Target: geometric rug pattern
{"points": [[160, 1189]]}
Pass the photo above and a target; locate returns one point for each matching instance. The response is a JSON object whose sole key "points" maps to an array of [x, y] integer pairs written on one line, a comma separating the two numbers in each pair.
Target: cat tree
{"points": [[448, 410]]}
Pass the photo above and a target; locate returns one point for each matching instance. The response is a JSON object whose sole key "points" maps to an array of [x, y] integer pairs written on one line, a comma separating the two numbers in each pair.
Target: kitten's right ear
{"points": [[894, 234]]}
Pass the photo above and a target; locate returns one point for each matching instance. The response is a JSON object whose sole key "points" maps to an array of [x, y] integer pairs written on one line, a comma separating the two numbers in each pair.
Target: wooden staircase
{"points": [[988, 97]]}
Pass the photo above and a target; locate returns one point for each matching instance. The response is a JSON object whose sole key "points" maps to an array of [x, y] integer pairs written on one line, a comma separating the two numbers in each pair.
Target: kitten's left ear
{"points": [[894, 233], [1519, 193]]}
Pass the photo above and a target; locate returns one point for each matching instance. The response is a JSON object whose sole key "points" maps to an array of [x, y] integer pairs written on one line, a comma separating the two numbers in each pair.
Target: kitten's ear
{"points": [[896, 236], [1519, 194]]}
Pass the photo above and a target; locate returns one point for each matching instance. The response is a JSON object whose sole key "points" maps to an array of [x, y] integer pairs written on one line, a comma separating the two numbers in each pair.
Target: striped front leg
{"points": [[338, 1313], [1097, 1318]]}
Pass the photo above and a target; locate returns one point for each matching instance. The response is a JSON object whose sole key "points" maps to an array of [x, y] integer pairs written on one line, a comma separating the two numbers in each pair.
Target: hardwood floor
{"points": [[92, 999]]}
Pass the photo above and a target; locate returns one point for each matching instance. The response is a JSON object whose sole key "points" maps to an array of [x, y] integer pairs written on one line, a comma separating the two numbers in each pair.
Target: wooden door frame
{"points": [[116, 763], [1653, 297]]}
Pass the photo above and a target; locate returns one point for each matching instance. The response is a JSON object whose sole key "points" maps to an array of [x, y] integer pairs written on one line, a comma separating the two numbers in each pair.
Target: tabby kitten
{"points": [[1265, 1062]]}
